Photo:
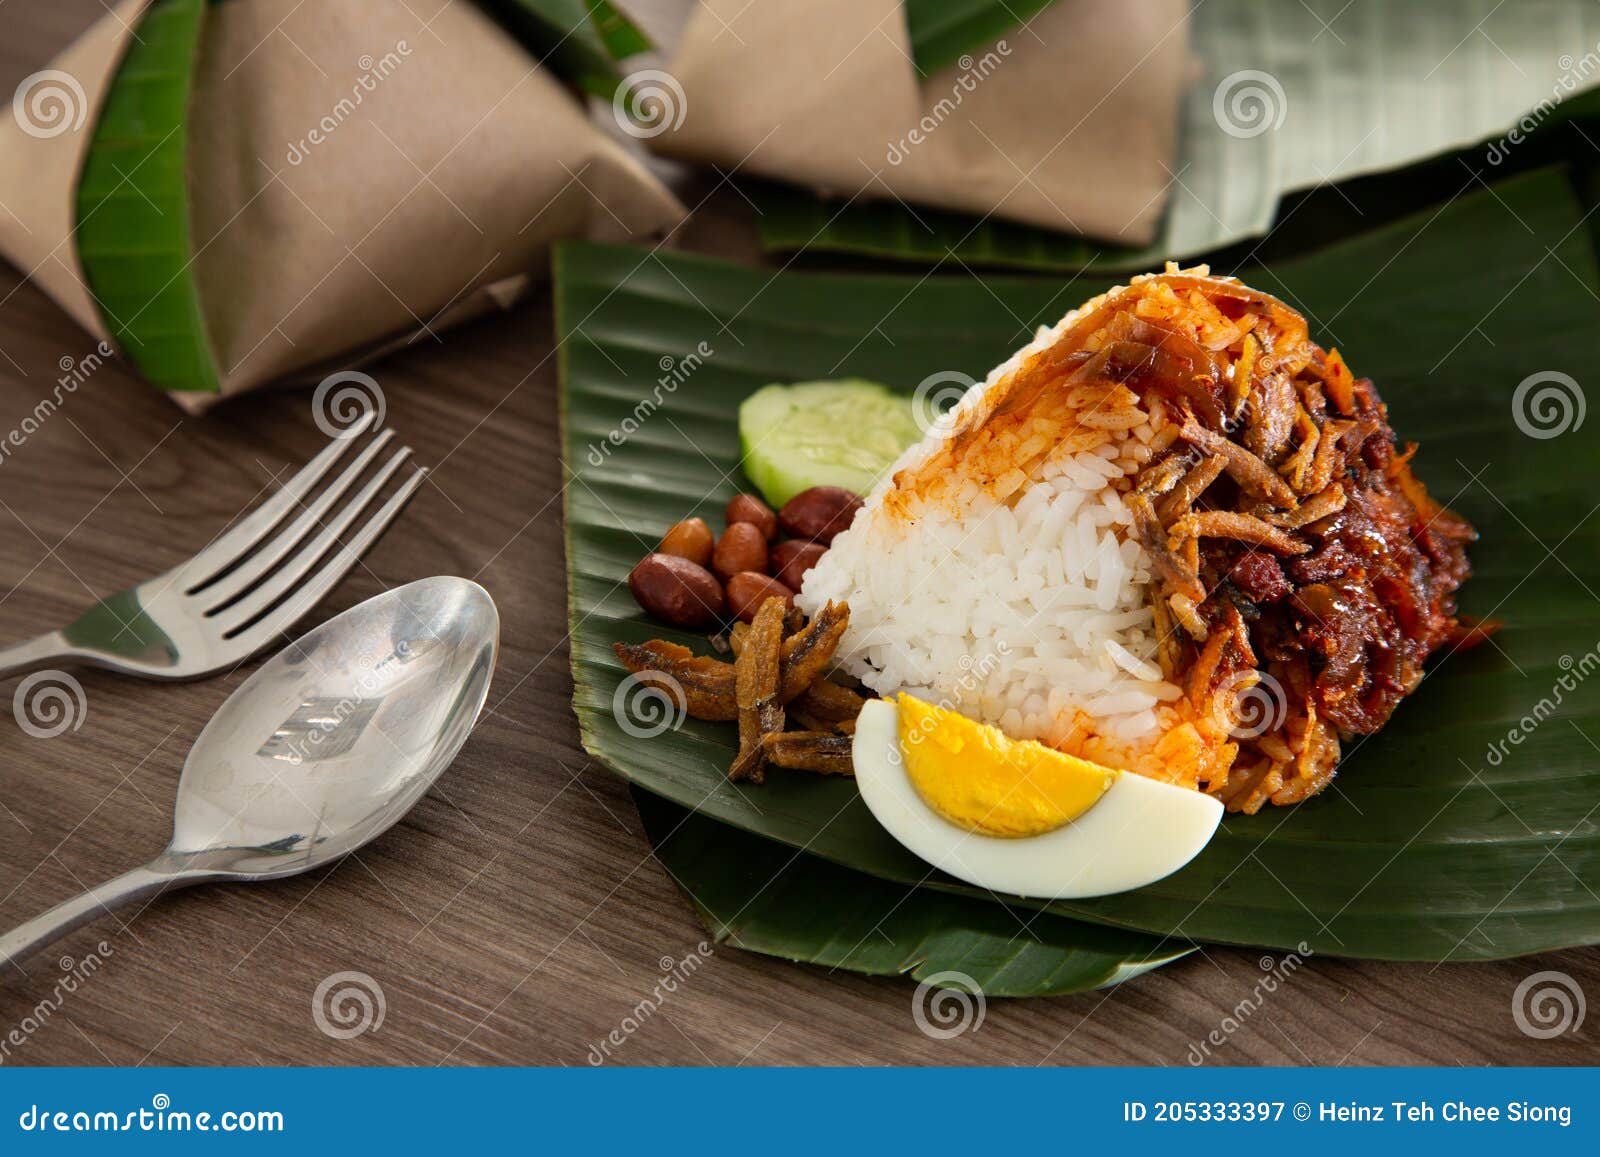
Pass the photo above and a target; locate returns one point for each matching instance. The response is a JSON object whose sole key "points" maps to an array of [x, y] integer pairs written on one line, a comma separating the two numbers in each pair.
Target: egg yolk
{"points": [[982, 780]]}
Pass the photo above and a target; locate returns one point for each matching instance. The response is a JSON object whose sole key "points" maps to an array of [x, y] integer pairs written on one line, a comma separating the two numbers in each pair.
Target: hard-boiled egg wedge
{"points": [[1016, 816]]}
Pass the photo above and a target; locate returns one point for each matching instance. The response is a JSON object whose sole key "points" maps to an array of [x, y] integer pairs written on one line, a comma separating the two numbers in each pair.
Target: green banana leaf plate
{"points": [[1465, 830], [765, 897]]}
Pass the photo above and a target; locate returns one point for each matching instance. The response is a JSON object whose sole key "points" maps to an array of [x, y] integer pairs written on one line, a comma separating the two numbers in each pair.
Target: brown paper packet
{"points": [[1069, 122], [360, 172]]}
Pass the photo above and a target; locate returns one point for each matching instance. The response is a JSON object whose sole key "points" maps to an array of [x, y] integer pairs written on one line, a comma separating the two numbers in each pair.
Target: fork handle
{"points": [[33, 654], [138, 884]]}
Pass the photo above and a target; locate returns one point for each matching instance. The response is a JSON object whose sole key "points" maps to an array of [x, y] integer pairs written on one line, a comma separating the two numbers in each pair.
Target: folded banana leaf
{"points": [[940, 31], [764, 897], [133, 236], [581, 39], [1292, 96], [1465, 829], [134, 219]]}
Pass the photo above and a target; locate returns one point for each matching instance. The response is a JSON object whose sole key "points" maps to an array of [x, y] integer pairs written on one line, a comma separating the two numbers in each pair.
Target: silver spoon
{"points": [[322, 749]]}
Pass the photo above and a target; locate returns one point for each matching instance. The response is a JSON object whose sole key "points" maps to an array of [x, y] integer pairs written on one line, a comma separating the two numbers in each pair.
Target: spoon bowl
{"points": [[318, 752], [336, 736]]}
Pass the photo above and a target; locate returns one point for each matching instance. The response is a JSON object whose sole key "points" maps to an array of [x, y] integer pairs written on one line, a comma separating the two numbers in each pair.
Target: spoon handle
{"points": [[26, 939]]}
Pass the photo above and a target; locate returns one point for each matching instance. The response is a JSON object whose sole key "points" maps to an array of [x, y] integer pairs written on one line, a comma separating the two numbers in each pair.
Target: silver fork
{"points": [[244, 589]]}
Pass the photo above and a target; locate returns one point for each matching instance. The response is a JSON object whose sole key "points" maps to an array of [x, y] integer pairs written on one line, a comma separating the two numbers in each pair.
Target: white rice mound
{"points": [[1016, 596]]}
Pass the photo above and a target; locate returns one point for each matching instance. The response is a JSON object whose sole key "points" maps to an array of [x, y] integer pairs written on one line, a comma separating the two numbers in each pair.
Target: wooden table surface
{"points": [[517, 915]]}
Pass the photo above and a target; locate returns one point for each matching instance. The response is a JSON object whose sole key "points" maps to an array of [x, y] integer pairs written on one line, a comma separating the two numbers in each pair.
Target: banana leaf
{"points": [[1465, 829], [1293, 96], [763, 897], [133, 225], [582, 40], [941, 31]]}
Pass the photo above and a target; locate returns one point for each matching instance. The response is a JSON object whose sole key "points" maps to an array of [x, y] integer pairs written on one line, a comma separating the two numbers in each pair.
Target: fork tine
{"points": [[313, 590], [284, 579], [228, 546], [272, 553]]}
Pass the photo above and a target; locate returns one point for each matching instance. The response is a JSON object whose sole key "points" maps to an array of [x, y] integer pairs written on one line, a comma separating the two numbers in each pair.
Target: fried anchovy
{"points": [[1250, 472], [1242, 527], [708, 684], [826, 726], [1154, 540], [816, 751], [807, 653], [825, 699], [1329, 501], [1190, 487], [755, 675]]}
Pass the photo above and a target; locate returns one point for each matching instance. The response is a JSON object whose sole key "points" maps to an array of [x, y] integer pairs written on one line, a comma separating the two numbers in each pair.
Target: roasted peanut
{"points": [[792, 558], [749, 508], [690, 539], [677, 591], [741, 547], [747, 590], [819, 513]]}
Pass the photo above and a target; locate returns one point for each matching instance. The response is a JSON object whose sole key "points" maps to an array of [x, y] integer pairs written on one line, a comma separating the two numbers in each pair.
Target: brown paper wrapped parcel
{"points": [[1068, 122], [359, 173]]}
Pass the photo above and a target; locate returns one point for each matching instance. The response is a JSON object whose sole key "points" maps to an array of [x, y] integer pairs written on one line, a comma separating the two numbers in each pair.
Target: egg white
{"points": [[1136, 833]]}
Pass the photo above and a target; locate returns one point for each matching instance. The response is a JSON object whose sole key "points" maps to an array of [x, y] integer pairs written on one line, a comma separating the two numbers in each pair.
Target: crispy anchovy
{"points": [[825, 699], [707, 683], [1163, 476], [1190, 487], [807, 653], [1242, 527], [1273, 408], [755, 675], [1154, 540], [1297, 467], [811, 751], [1327, 460], [1250, 472], [1329, 501], [826, 726], [1243, 371]]}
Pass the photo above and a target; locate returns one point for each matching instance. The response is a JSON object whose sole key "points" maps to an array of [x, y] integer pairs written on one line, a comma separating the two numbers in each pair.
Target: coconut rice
{"points": [[994, 570]]}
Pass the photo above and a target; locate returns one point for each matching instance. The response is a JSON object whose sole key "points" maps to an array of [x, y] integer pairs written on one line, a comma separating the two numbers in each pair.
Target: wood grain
{"points": [[516, 917]]}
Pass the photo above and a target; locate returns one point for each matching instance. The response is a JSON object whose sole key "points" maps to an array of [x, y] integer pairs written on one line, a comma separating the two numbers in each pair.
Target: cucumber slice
{"points": [[844, 433]]}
